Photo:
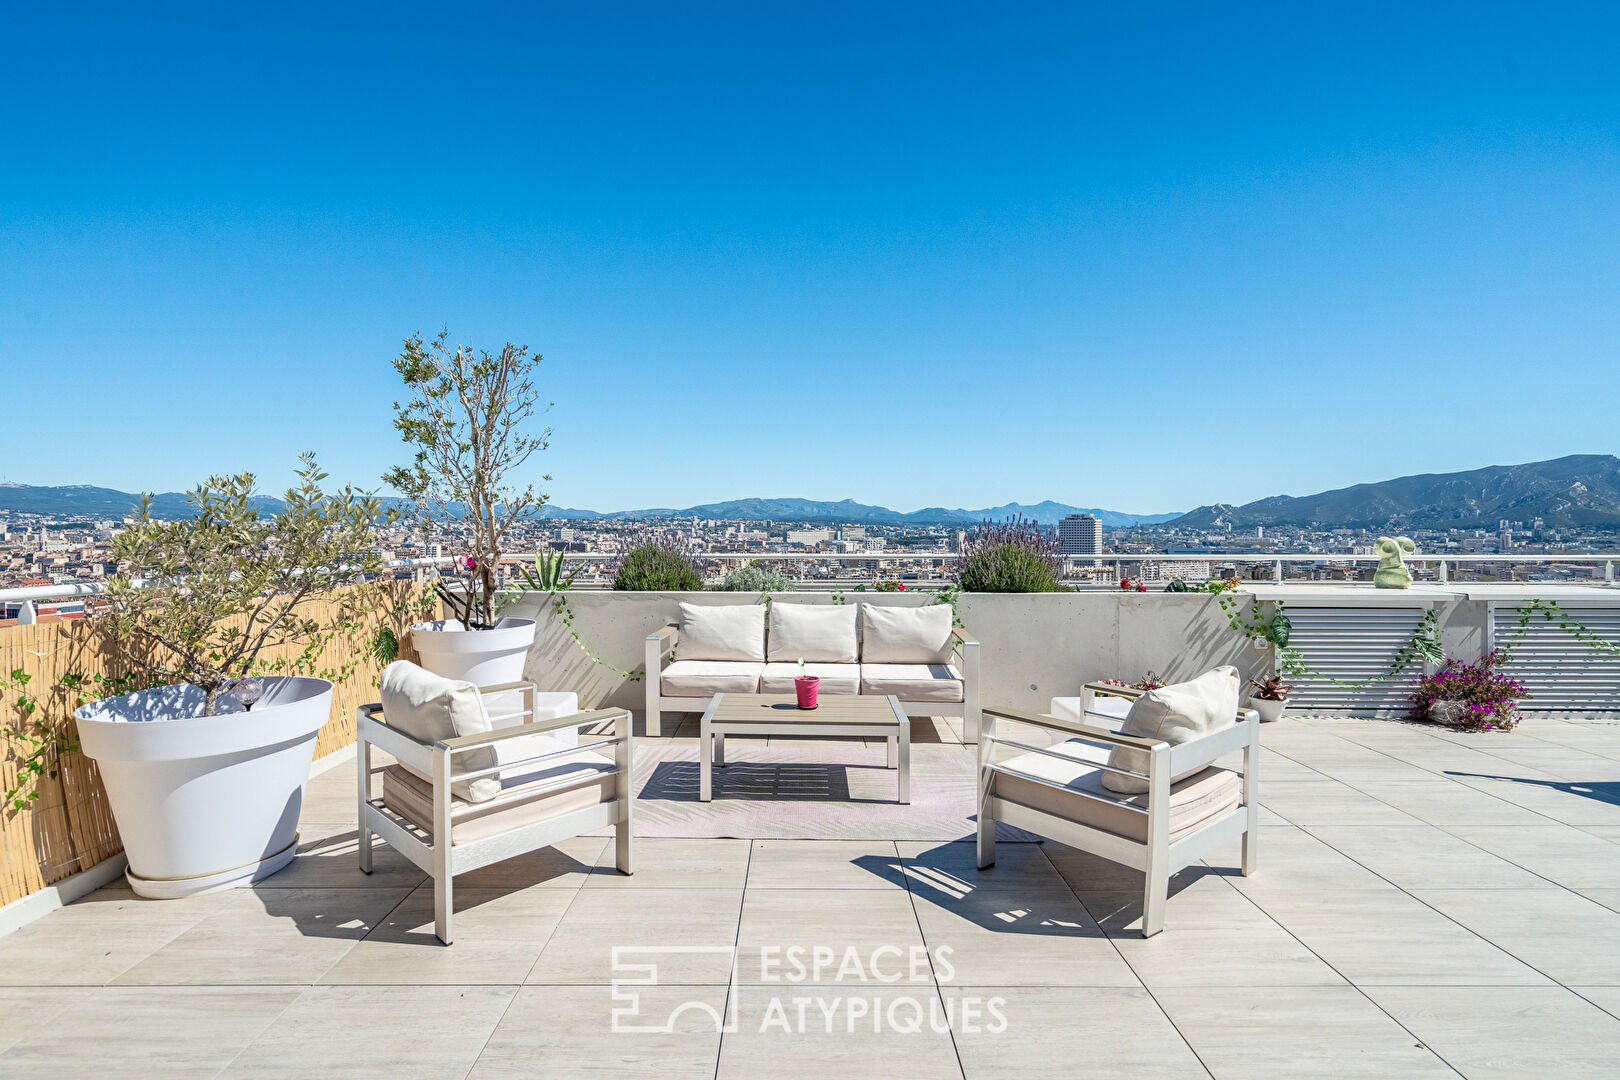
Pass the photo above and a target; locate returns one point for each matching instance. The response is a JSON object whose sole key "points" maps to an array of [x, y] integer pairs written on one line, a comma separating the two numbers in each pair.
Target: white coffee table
{"points": [[779, 714]]}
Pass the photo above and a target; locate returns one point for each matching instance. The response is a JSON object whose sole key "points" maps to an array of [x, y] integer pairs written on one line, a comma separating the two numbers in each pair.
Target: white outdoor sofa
{"points": [[454, 804], [1189, 807], [916, 654]]}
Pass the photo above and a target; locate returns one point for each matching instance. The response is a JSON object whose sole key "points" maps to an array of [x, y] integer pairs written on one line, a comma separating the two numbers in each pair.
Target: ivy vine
{"points": [[1424, 644], [1551, 612]]}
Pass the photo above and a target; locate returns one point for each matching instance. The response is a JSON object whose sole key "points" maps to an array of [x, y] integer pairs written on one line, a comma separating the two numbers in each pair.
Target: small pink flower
{"points": [[470, 563]]}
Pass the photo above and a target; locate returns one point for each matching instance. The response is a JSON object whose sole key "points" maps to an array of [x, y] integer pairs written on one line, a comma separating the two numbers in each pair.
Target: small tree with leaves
{"points": [[198, 600], [465, 414]]}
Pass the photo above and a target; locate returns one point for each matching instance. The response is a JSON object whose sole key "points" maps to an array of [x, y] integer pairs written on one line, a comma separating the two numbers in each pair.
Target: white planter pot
{"points": [[1269, 710], [205, 803], [482, 657]]}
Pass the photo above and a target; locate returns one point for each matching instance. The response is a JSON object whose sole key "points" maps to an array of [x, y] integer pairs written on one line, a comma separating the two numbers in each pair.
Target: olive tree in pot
{"points": [[205, 771], [465, 414]]}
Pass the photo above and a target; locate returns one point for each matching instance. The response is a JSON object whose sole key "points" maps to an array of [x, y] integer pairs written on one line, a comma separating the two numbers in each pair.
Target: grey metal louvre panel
{"points": [[1353, 645], [1561, 673]]}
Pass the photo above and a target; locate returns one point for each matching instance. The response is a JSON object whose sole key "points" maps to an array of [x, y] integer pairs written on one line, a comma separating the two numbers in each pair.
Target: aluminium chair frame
{"points": [[442, 861], [1158, 858], [660, 648]]}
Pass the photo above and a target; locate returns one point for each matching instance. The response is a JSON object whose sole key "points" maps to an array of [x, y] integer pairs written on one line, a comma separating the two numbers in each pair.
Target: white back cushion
{"points": [[722, 632], [429, 707], [1176, 714], [896, 635], [814, 633]]}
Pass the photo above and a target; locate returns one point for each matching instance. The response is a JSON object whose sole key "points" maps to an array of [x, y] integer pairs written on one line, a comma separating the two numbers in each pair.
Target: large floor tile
{"points": [[1572, 803], [1505, 1033], [1563, 935], [825, 864], [1329, 803], [692, 934], [1425, 858], [1391, 938], [1066, 1033], [497, 937], [1443, 802], [76, 948], [1250, 1033], [1213, 936], [659, 863], [564, 865], [807, 936], [328, 858], [288, 936], [869, 1034], [1019, 937], [1565, 856], [376, 1033], [953, 868], [158, 1032], [24, 1010], [589, 1032], [1294, 858]]}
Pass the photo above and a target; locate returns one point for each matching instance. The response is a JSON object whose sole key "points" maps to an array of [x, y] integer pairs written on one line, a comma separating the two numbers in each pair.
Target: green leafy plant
{"points": [[755, 578], [38, 729], [1550, 611], [197, 600], [465, 415], [657, 565], [548, 578]]}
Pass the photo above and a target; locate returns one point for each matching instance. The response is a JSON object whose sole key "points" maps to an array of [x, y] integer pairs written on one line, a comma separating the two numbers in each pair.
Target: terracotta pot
{"points": [[807, 687]]}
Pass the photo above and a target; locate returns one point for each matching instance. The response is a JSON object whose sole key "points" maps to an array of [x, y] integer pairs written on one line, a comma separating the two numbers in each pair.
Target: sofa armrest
{"points": [[962, 637]]}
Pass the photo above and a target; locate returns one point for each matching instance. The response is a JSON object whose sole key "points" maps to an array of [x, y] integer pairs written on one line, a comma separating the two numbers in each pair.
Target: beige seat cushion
{"points": [[1176, 714], [722, 632], [913, 682], [835, 678], [1194, 800], [705, 678], [814, 633], [429, 708], [411, 797], [896, 635]]}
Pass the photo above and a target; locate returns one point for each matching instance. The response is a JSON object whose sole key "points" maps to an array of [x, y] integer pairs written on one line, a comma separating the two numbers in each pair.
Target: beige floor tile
{"points": [[661, 863], [329, 858], [159, 1032], [1019, 937], [824, 864], [24, 1010], [1425, 858], [497, 937], [1257, 1033], [836, 1037], [1293, 858], [564, 865], [1377, 937], [1565, 856], [1504, 1033], [1444, 802], [1330, 803], [1066, 1033], [286, 936], [1213, 936], [587, 1032], [581, 949], [1563, 935], [1606, 998], [376, 1033], [1555, 800], [65, 951], [953, 868], [823, 929]]}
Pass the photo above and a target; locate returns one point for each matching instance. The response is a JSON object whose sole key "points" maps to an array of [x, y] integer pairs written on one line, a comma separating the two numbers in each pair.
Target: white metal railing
{"points": [[27, 595]]}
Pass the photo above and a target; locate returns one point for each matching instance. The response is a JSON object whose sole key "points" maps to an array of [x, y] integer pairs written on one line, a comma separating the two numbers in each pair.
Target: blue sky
{"points": [[1133, 256]]}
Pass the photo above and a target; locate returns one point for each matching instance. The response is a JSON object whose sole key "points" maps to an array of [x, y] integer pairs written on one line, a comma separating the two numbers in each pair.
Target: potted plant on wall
{"points": [[465, 414], [205, 771], [1270, 697]]}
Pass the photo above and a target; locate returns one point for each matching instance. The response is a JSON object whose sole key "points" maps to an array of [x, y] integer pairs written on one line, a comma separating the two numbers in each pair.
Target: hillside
{"points": [[1582, 489]]}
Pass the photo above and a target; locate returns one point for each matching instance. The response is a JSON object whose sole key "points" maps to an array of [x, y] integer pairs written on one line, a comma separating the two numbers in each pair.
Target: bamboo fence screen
{"points": [[70, 827]]}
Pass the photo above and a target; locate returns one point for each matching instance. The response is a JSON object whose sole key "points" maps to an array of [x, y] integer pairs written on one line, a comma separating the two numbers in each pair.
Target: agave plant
{"points": [[547, 575], [1270, 688]]}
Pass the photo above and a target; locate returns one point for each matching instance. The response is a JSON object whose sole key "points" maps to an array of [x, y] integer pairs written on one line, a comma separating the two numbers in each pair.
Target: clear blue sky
{"points": [[1134, 256]]}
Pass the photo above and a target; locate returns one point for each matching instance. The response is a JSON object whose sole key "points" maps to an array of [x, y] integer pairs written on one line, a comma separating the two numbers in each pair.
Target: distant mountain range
{"points": [[80, 499], [1582, 489]]}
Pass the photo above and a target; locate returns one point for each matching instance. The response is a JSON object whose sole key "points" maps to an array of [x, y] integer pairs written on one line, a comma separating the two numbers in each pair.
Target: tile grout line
{"points": [[736, 951], [922, 935]]}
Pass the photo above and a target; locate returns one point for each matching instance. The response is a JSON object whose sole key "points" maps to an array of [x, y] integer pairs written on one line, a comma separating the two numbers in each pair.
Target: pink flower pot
{"points": [[807, 687]]}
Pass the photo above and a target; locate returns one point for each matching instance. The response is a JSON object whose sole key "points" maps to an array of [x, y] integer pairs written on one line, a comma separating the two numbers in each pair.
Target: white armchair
{"points": [[549, 791], [1190, 809]]}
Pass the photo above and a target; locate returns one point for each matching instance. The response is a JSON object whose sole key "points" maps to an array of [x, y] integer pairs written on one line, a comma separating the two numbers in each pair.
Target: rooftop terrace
{"points": [[1427, 903]]}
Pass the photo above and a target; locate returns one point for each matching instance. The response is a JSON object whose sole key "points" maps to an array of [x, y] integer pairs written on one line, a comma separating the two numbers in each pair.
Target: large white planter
{"points": [[206, 803], [482, 657]]}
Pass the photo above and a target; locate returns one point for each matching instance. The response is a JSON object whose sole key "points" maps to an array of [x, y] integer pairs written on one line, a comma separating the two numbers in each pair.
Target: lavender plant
{"points": [[656, 563], [1014, 556]]}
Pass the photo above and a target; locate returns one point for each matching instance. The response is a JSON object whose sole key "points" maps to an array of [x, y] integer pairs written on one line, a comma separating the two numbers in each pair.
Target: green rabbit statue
{"points": [[1392, 572]]}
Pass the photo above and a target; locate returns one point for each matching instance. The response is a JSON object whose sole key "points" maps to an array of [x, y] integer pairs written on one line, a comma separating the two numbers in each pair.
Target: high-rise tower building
{"points": [[1080, 534]]}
